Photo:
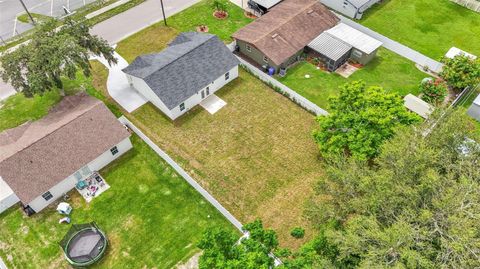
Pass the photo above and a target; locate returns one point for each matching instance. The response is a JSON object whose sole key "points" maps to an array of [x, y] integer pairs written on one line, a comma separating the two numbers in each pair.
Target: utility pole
{"points": [[29, 15], [163, 12]]}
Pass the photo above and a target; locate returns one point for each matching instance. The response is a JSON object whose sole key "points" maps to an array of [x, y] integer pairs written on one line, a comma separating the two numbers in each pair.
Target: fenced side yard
{"points": [[151, 216], [388, 70], [255, 156], [431, 27]]}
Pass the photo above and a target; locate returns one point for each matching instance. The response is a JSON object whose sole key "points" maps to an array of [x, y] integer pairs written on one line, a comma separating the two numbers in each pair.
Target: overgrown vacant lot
{"points": [[388, 70], [256, 155], [151, 216], [429, 26]]}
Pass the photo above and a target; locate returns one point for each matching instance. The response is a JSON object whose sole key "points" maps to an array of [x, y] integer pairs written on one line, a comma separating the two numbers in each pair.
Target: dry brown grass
{"points": [[255, 155]]}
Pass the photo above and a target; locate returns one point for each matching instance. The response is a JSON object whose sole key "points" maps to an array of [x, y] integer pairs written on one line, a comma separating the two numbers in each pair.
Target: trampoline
{"points": [[84, 244]]}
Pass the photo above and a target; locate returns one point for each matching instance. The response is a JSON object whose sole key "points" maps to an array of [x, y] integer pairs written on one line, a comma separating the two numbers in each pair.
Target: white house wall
{"points": [[194, 100], [197, 98], [347, 8], [69, 183], [7, 196], [146, 91]]}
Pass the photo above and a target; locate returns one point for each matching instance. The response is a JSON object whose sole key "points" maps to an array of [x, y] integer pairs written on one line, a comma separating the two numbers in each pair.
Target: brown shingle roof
{"points": [[36, 156], [287, 28]]}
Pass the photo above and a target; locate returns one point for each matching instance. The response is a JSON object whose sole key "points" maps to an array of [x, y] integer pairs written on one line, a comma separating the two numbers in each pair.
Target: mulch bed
{"points": [[202, 29], [219, 14]]}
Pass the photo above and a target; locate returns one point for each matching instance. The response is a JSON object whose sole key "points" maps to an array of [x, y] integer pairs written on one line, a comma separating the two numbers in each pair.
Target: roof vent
{"points": [[310, 11], [274, 35]]}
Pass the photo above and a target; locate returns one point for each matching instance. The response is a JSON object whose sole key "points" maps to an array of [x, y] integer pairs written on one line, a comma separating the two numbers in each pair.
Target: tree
{"points": [[221, 249], [417, 207], [361, 118], [461, 71], [53, 53], [433, 91]]}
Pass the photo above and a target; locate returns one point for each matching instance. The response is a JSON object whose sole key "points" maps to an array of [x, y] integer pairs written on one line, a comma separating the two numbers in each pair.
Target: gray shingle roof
{"points": [[190, 63]]}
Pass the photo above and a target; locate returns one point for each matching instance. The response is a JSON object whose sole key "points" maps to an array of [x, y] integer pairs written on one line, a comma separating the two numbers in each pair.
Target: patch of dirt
{"points": [[192, 263], [249, 15], [220, 14], [202, 29]]}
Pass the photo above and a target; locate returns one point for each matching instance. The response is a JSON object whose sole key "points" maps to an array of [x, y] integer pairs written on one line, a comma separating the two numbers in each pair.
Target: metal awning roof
{"points": [[355, 38], [329, 46], [267, 3]]}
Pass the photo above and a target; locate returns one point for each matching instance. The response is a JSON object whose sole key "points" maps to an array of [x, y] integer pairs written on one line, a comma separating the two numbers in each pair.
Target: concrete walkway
{"points": [[137, 18], [2, 264], [118, 86], [396, 47]]}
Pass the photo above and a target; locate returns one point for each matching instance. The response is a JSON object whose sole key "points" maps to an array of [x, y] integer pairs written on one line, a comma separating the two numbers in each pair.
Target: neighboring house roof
{"points": [[418, 106], [267, 3], [191, 62], [355, 38], [38, 155], [329, 46], [453, 51], [287, 28]]}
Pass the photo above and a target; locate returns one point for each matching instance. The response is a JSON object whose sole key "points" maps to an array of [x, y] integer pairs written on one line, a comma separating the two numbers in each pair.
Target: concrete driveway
{"points": [[118, 86]]}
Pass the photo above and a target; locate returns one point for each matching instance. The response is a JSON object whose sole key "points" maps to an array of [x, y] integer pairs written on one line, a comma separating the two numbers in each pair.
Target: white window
{"points": [[47, 196], [114, 150], [182, 106], [265, 59], [227, 75], [248, 48]]}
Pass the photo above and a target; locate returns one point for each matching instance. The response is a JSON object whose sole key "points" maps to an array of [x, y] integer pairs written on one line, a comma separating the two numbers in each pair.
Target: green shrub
{"points": [[433, 91], [298, 232]]}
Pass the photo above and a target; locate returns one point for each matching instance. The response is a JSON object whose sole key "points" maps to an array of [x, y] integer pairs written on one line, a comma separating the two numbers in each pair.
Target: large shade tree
{"points": [[53, 53], [417, 207], [361, 118]]}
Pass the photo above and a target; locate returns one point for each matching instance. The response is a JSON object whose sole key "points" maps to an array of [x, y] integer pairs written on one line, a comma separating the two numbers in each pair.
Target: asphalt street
{"points": [[10, 9]]}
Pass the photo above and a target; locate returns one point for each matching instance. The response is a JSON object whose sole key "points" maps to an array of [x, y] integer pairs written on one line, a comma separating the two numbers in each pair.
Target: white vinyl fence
{"points": [[284, 90], [182, 173], [470, 4]]}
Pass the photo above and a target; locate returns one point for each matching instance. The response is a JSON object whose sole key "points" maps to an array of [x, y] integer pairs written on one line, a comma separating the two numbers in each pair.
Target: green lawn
{"points": [[202, 14], [156, 37], [429, 26], [152, 217], [388, 70]]}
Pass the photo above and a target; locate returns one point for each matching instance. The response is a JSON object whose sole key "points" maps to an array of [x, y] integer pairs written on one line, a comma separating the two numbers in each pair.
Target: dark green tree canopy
{"points": [[361, 118], [417, 207], [53, 53]]}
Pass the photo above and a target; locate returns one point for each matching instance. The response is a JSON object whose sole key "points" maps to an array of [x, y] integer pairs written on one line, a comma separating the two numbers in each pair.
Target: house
{"points": [[279, 38], [260, 7], [418, 106], [474, 109], [351, 8], [342, 42], [40, 161], [192, 67]]}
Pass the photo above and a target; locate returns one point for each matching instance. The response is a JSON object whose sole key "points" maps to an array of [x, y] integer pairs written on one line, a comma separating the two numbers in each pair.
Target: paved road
{"points": [[9, 9], [396, 47], [138, 18]]}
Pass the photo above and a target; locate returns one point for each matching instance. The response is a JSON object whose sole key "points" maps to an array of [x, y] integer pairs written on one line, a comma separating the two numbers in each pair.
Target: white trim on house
{"points": [[69, 183], [7, 196], [195, 99]]}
